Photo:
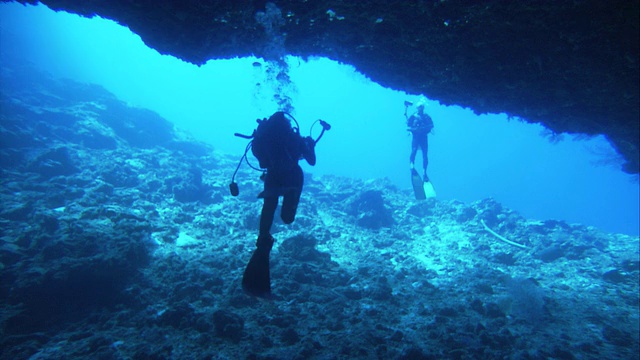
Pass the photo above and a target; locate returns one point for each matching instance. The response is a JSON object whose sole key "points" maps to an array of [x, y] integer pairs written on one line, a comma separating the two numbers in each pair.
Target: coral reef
{"points": [[119, 245]]}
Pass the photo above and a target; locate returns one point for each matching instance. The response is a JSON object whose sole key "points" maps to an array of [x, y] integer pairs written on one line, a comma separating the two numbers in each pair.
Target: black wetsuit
{"points": [[278, 148], [284, 148], [420, 124]]}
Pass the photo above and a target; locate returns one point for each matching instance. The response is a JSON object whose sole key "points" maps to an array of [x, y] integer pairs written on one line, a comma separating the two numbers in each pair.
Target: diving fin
{"points": [[256, 280], [418, 188], [428, 189]]}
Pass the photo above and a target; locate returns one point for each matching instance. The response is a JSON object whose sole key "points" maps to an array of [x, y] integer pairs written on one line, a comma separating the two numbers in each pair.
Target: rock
{"points": [[55, 162], [353, 293], [97, 141], [550, 253], [504, 258], [465, 214], [421, 209], [381, 290], [228, 325], [120, 176], [191, 188], [179, 316], [369, 209], [416, 354], [290, 337], [489, 211], [630, 264], [141, 128], [492, 310], [614, 276], [448, 312], [477, 306], [303, 248], [17, 211], [616, 336], [527, 299], [185, 240]]}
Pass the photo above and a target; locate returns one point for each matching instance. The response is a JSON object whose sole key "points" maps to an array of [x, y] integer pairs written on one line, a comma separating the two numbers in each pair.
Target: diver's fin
{"points": [[256, 280], [428, 189], [418, 189]]}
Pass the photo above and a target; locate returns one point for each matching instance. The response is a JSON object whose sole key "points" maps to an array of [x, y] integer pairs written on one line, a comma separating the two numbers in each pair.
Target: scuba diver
{"points": [[420, 125], [278, 147]]}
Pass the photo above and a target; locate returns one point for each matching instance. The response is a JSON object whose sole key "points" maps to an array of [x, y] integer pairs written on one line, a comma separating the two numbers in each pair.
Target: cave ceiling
{"points": [[569, 65]]}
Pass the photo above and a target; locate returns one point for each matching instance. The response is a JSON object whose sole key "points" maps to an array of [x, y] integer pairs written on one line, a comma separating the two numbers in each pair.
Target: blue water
{"points": [[471, 157]]}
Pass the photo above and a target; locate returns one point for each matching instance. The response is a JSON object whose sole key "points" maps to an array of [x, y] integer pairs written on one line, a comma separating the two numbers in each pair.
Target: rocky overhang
{"points": [[569, 65]]}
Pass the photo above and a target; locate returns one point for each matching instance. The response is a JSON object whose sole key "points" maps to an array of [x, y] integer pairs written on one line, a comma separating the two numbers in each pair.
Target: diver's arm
{"points": [[428, 122], [308, 150], [411, 123]]}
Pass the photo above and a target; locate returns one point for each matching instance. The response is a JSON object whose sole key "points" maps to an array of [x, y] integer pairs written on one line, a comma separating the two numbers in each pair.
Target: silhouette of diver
{"points": [[278, 147], [420, 125]]}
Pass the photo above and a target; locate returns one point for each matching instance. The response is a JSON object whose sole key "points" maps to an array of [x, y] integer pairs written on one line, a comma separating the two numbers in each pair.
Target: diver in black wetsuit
{"points": [[279, 151], [278, 147], [420, 125]]}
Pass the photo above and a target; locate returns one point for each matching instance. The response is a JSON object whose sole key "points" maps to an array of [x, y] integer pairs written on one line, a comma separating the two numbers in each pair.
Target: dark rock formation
{"points": [[370, 211], [570, 65], [228, 325]]}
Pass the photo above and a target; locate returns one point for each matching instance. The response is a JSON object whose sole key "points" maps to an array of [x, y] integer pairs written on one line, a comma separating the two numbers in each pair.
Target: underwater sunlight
{"points": [[471, 157]]}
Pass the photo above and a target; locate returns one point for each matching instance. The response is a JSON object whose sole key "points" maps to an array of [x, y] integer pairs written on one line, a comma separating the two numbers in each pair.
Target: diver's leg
{"points": [[414, 150], [290, 206], [268, 211], [425, 157], [291, 199], [256, 279]]}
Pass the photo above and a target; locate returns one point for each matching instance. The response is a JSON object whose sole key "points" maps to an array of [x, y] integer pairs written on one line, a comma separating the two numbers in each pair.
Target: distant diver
{"points": [[420, 125], [278, 146]]}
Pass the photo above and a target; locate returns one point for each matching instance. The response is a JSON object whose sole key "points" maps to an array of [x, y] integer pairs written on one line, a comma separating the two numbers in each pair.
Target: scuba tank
{"points": [[233, 186]]}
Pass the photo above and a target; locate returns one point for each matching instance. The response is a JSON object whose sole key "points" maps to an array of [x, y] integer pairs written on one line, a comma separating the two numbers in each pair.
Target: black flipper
{"points": [[418, 189], [256, 280]]}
